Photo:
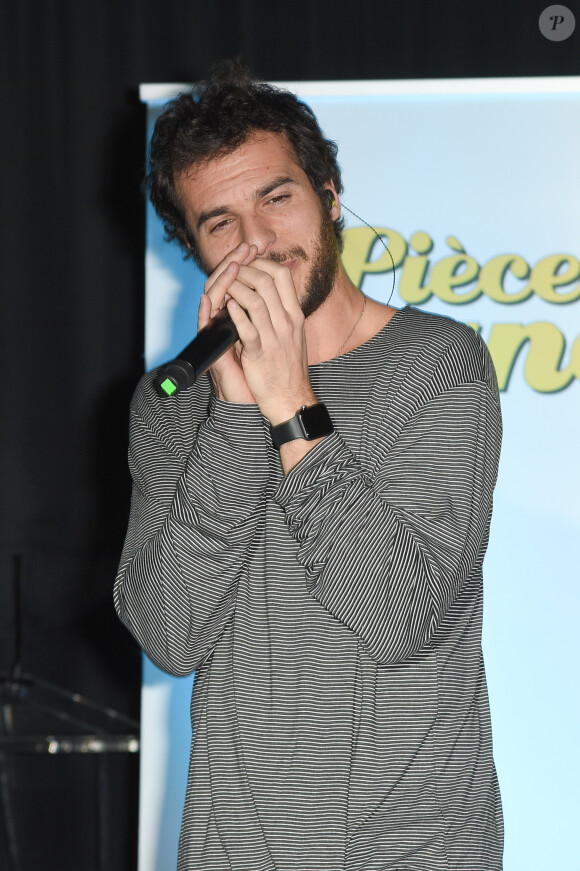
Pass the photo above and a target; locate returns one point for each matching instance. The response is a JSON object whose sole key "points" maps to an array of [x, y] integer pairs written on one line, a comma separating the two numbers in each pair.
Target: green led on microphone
{"points": [[168, 386]]}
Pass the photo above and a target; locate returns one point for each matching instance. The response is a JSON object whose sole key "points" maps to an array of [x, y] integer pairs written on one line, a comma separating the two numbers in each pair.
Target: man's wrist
{"points": [[310, 424], [285, 409]]}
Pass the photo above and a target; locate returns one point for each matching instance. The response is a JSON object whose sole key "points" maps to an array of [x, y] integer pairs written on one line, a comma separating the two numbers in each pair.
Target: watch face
{"points": [[316, 421]]}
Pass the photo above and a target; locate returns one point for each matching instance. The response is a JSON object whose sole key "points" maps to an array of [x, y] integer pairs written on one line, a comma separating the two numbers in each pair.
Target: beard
{"points": [[324, 264]]}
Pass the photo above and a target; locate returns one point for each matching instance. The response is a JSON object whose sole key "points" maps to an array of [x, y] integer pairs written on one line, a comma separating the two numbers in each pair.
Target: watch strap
{"points": [[309, 422]]}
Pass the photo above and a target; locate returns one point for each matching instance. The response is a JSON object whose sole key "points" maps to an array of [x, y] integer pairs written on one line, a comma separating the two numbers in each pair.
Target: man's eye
{"points": [[221, 226], [279, 198]]}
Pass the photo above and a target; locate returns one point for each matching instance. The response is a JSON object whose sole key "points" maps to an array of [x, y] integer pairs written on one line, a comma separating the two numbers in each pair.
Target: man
{"points": [[325, 588]]}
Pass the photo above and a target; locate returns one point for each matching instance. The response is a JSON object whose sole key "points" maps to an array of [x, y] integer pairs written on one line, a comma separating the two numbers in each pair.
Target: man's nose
{"points": [[256, 230]]}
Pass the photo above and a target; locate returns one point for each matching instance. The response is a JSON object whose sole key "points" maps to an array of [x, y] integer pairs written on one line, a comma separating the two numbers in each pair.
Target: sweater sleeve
{"points": [[189, 530], [387, 551]]}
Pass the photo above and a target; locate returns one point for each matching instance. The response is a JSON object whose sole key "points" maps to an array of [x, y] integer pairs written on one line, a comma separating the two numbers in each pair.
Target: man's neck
{"points": [[328, 327]]}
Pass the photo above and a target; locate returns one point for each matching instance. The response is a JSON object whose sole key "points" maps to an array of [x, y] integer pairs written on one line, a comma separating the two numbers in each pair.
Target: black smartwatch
{"points": [[310, 422]]}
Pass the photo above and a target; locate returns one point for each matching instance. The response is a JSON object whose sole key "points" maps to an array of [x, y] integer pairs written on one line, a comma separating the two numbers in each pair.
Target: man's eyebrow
{"points": [[272, 185]]}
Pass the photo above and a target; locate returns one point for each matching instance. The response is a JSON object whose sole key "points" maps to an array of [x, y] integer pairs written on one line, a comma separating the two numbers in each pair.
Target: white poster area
{"points": [[475, 186]]}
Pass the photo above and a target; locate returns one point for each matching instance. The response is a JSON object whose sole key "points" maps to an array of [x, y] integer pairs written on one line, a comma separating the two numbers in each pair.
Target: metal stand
{"points": [[87, 727]]}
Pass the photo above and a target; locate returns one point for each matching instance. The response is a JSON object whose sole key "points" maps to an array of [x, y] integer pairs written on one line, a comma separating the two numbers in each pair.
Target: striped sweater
{"points": [[333, 616]]}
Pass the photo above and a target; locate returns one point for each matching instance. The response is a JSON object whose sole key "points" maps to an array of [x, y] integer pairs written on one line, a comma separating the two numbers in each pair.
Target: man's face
{"points": [[258, 194]]}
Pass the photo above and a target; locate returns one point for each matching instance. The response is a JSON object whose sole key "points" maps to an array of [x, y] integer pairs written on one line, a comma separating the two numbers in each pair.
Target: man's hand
{"points": [[270, 323], [227, 374]]}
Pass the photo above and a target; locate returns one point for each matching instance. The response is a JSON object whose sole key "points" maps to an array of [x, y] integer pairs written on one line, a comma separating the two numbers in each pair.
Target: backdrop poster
{"points": [[474, 185]]}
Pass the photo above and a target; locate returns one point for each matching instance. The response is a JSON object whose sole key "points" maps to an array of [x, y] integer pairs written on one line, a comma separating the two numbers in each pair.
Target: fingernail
{"points": [[230, 268]]}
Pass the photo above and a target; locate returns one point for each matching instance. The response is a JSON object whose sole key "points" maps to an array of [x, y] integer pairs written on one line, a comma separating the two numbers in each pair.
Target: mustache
{"points": [[296, 253]]}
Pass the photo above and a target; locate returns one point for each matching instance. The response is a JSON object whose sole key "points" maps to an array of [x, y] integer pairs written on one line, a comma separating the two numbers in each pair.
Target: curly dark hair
{"points": [[215, 118]]}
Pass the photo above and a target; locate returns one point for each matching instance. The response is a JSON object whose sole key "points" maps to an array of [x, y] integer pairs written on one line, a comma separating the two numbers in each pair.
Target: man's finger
{"points": [[243, 254], [275, 285], [222, 277], [216, 294], [256, 306], [283, 280], [204, 312], [246, 327]]}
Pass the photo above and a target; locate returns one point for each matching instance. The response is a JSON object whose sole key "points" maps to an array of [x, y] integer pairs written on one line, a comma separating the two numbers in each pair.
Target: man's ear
{"points": [[331, 201]]}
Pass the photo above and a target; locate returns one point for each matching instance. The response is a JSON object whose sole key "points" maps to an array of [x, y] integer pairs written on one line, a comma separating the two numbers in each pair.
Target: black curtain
{"points": [[71, 278]]}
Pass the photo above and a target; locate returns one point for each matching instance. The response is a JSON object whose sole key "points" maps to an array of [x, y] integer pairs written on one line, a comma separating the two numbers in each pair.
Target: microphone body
{"points": [[197, 357]]}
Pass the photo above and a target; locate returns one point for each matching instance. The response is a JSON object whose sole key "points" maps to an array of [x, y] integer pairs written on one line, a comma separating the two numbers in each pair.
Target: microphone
{"points": [[210, 343]]}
